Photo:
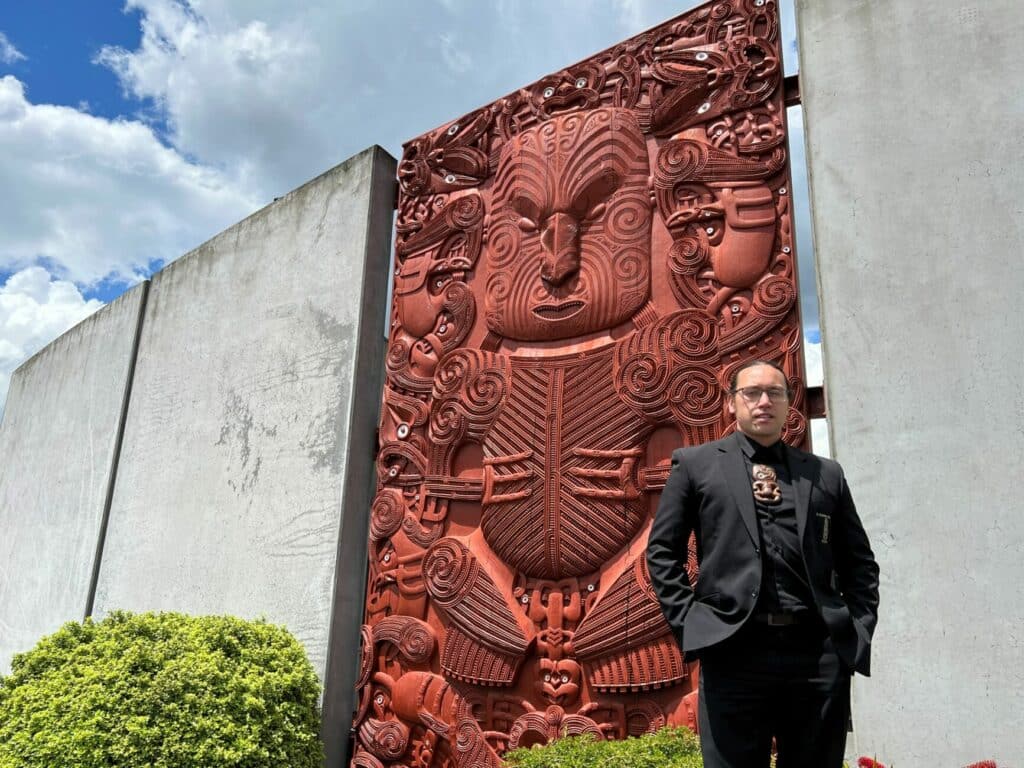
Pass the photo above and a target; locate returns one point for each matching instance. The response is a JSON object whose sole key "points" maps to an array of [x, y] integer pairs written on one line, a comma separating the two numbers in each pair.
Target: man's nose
{"points": [[560, 238]]}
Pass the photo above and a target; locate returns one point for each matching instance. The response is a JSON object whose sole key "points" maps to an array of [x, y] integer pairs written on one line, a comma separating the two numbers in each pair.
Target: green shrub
{"points": [[668, 748], [161, 691]]}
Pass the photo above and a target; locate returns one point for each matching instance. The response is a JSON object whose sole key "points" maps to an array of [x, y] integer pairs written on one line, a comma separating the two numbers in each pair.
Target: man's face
{"points": [[762, 419]]}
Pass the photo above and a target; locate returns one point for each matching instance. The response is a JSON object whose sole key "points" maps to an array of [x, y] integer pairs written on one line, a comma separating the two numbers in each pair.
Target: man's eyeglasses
{"points": [[753, 394]]}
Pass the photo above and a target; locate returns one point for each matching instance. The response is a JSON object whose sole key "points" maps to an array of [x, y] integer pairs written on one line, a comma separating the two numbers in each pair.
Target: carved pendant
{"points": [[766, 485]]}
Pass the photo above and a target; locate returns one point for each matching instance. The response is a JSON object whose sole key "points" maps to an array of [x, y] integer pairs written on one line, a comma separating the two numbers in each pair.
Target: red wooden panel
{"points": [[581, 265]]}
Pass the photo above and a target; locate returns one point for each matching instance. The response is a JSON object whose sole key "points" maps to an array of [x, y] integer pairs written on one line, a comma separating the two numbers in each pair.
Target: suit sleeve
{"points": [[855, 564], [667, 547]]}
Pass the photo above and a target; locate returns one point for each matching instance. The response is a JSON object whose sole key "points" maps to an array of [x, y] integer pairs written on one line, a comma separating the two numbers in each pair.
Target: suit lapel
{"points": [[801, 488], [735, 469]]}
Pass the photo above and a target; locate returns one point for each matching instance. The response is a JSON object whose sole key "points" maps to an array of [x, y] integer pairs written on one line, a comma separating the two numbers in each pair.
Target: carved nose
{"points": [[560, 239]]}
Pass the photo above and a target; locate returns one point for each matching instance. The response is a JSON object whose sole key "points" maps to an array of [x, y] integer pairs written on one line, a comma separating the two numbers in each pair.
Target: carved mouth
{"points": [[558, 311], [569, 102]]}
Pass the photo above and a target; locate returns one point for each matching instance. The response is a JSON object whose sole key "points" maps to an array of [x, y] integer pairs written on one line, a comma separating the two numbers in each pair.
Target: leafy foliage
{"points": [[668, 748], [161, 690]]}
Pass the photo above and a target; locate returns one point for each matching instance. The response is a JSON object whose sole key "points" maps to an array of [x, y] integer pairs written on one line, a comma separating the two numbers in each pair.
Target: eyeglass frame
{"points": [[761, 391]]}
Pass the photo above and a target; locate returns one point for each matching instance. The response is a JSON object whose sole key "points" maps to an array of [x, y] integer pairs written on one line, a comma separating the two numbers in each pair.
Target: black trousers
{"points": [[781, 682]]}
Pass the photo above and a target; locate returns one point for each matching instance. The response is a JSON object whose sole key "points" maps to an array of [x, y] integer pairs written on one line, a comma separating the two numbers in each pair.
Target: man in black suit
{"points": [[786, 598]]}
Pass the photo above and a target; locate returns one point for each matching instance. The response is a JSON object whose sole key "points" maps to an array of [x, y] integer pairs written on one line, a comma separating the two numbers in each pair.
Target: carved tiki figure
{"points": [[632, 221]]}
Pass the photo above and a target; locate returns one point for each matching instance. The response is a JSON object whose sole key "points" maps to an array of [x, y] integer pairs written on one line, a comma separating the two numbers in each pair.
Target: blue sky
{"points": [[131, 132], [59, 39]]}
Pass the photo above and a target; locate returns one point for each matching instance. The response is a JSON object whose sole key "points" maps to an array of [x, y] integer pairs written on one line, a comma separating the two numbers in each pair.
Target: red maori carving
{"points": [[434, 308], [632, 213], [570, 228]]}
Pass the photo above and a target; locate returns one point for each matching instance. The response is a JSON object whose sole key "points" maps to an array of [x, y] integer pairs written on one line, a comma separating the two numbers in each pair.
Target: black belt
{"points": [[784, 619]]}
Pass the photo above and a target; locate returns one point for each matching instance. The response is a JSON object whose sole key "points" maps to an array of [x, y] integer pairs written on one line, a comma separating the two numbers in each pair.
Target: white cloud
{"points": [[814, 373], [34, 310], [240, 94], [97, 198], [454, 56], [8, 53], [274, 94]]}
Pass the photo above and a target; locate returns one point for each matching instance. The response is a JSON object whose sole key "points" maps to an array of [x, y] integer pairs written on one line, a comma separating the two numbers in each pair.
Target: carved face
{"points": [[569, 245]]}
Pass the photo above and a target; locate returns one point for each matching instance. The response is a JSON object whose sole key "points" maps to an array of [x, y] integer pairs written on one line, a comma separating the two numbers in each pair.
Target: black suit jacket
{"points": [[708, 492]]}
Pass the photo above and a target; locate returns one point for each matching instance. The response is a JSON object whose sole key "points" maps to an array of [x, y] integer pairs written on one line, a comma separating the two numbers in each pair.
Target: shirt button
{"points": [[757, 550]]}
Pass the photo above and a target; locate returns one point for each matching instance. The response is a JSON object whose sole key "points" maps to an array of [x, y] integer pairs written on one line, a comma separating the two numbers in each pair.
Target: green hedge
{"points": [[668, 748], [161, 691]]}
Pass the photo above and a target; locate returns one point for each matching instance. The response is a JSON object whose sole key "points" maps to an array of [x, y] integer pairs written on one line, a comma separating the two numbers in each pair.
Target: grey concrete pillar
{"points": [[915, 124], [58, 453], [246, 475]]}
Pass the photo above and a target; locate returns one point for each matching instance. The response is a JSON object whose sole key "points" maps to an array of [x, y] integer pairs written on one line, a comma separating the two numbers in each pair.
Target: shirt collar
{"points": [[750, 447]]}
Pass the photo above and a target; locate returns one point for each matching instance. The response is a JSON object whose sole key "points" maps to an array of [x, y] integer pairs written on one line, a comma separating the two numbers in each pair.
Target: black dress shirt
{"points": [[784, 583]]}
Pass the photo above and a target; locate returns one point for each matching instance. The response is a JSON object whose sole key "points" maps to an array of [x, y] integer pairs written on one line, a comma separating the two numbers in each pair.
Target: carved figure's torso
{"points": [[560, 489]]}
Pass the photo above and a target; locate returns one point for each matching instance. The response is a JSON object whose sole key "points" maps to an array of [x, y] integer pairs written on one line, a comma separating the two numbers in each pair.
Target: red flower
{"points": [[983, 764], [867, 762]]}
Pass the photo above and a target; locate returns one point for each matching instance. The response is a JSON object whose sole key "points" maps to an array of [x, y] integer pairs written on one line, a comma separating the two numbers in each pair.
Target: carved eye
{"points": [[528, 210], [581, 82], [589, 202], [527, 225], [439, 282]]}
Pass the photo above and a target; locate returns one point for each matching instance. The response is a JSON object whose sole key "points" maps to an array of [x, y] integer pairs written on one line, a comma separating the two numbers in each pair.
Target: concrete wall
{"points": [[249, 438], [914, 131], [58, 442]]}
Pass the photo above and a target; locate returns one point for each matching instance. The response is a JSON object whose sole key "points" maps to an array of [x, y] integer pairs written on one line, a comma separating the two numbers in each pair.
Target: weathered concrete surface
{"points": [[914, 147], [255, 399], [57, 444]]}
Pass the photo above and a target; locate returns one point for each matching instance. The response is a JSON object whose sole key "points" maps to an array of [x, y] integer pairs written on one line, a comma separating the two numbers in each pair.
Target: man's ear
{"points": [[731, 400]]}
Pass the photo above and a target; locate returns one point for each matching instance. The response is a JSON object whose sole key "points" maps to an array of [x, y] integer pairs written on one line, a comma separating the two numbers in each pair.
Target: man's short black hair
{"points": [[752, 364]]}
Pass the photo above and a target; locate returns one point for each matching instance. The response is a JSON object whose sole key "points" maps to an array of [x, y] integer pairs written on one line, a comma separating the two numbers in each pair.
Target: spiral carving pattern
{"points": [[388, 739], [694, 335], [413, 638], [386, 514], [450, 571], [642, 380], [774, 297], [467, 211], [696, 397], [688, 254]]}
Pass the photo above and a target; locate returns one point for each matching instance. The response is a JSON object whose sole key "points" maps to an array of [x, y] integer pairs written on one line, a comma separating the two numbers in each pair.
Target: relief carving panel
{"points": [[579, 268]]}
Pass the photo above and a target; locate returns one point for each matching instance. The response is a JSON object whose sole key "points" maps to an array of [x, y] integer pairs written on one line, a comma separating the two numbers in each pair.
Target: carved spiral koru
{"points": [[366, 760], [644, 717], [450, 571], [655, 371], [414, 639], [387, 739], [774, 297], [386, 514], [468, 390], [695, 396]]}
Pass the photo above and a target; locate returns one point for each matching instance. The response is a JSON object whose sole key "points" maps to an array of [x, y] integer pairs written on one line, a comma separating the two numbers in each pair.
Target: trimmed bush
{"points": [[161, 691], [668, 748]]}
